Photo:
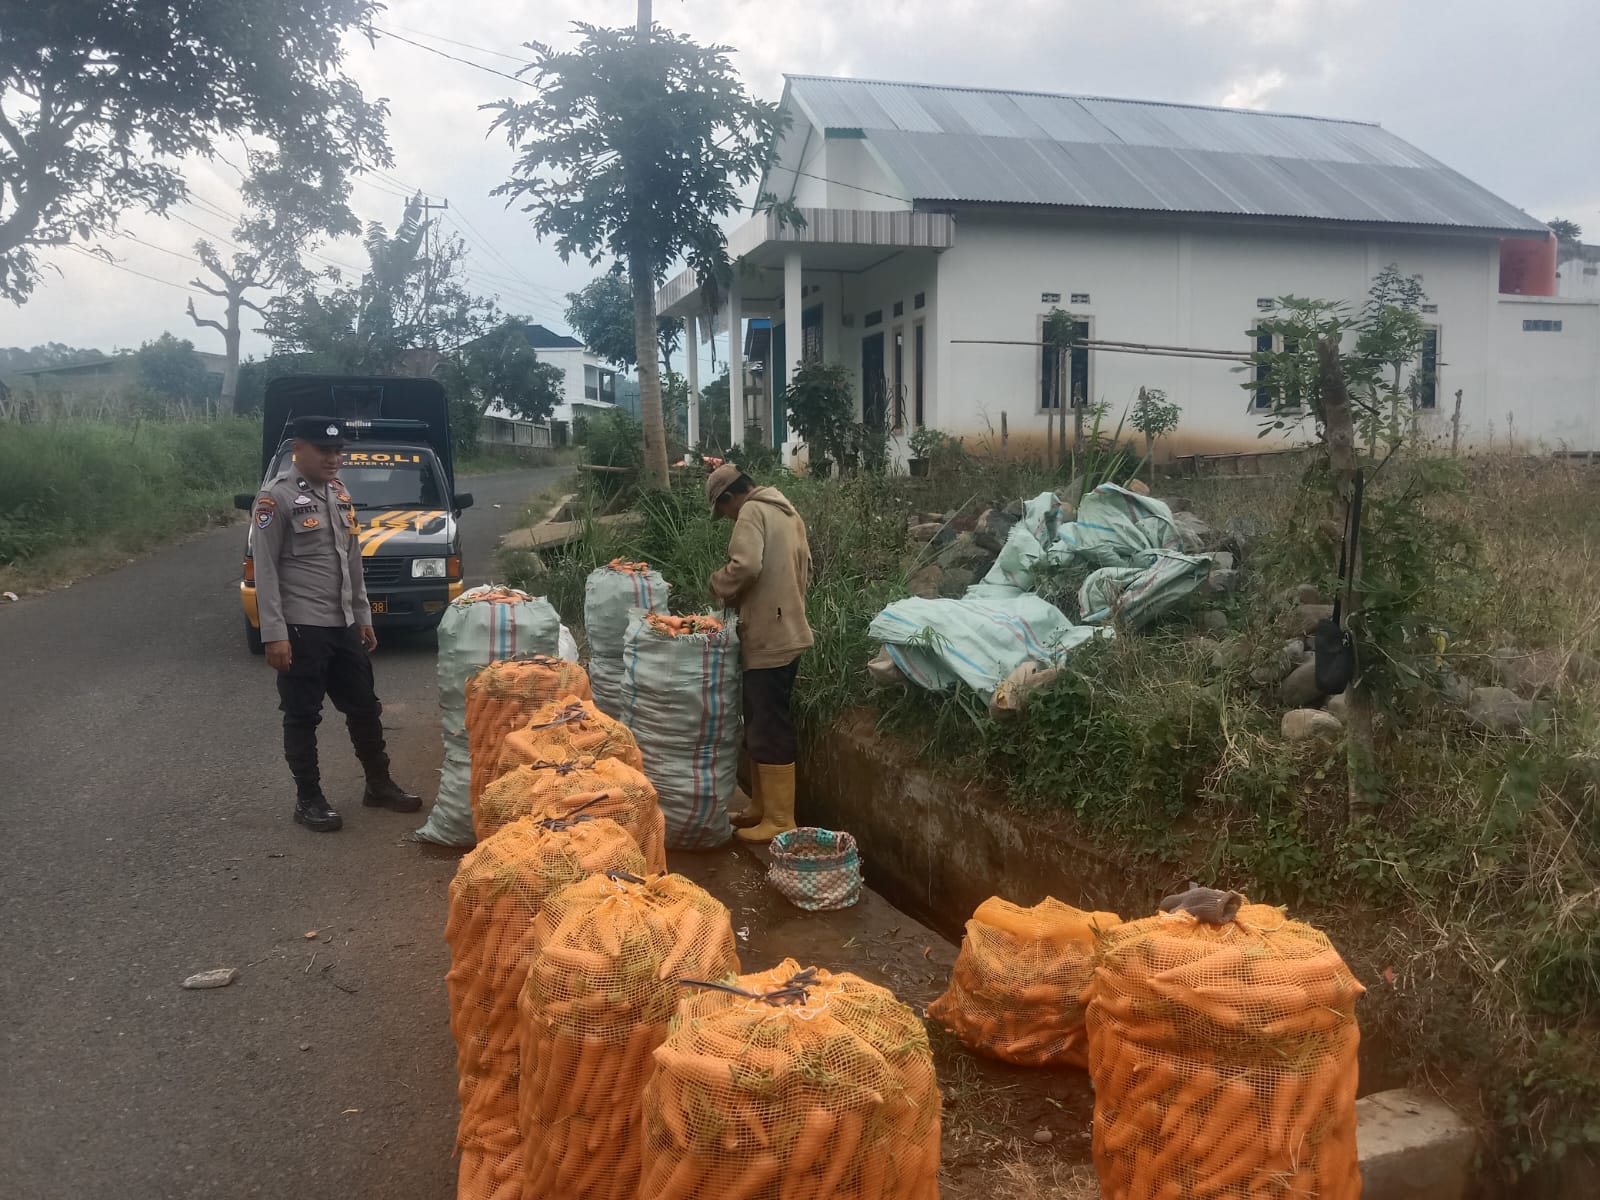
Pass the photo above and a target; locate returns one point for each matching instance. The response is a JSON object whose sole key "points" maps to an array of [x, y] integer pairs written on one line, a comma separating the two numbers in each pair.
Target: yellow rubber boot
{"points": [[775, 787], [750, 814]]}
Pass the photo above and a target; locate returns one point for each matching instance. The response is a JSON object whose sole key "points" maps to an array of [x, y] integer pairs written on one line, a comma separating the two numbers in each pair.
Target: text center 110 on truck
{"points": [[400, 474]]}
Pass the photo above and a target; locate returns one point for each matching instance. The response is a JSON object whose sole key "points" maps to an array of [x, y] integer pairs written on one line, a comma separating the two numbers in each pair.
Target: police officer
{"points": [[316, 624]]}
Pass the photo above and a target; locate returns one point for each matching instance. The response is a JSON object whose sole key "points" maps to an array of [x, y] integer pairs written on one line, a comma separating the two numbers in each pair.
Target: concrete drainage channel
{"points": [[937, 848]]}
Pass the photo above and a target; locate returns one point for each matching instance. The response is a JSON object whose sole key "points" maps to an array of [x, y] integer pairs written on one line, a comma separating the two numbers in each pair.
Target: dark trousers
{"points": [[332, 663], [769, 715]]}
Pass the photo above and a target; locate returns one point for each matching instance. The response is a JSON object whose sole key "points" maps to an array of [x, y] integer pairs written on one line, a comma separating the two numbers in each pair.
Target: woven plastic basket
{"points": [[816, 869]]}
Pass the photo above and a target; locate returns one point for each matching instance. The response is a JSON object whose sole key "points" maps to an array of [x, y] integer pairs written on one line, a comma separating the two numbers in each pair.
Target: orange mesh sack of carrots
{"points": [[601, 990], [1016, 991], [599, 787], [1223, 1051], [792, 1085], [570, 727], [609, 595], [497, 891], [503, 697]]}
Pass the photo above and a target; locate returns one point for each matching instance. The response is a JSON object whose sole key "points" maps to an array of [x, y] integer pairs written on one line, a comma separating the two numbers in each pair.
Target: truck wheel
{"points": [[252, 638]]}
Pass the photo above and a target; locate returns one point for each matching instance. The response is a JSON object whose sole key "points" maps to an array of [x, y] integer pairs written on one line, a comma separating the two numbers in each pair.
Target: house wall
{"points": [[1544, 385], [843, 173], [1193, 285]]}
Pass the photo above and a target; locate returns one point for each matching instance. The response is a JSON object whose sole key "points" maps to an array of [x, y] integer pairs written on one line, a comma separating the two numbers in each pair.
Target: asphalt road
{"points": [[146, 836]]}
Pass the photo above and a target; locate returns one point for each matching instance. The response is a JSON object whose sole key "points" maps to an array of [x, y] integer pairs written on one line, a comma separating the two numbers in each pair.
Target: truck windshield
{"points": [[400, 477], [386, 476]]}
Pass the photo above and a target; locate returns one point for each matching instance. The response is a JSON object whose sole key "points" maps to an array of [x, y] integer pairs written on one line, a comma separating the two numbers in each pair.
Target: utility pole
{"points": [[427, 262]]}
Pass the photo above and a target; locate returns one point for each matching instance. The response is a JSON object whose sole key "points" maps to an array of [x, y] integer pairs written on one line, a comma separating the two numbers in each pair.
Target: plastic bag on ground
{"points": [[1224, 1060], [569, 728], [502, 698], [497, 891], [567, 645], [482, 625], [610, 595], [1016, 993], [803, 1084], [600, 992], [603, 787], [681, 699]]}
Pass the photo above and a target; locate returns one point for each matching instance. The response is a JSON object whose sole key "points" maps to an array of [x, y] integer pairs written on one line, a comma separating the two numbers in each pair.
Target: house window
{"points": [[919, 358], [1079, 387], [591, 383], [875, 317], [1080, 298], [1427, 380], [897, 379], [1541, 327], [899, 308], [1264, 399], [811, 334], [1049, 297], [920, 300]]}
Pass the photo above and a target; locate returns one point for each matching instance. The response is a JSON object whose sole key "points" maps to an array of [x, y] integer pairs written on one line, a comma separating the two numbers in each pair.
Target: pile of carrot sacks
{"points": [[1221, 1037], [585, 982]]}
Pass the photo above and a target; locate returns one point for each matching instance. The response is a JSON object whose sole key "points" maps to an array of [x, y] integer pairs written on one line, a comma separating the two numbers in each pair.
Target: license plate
{"points": [[379, 607]]}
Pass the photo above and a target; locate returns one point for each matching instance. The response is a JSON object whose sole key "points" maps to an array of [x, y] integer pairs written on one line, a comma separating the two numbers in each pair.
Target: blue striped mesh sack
{"points": [[680, 698], [816, 869], [482, 625], [610, 594]]}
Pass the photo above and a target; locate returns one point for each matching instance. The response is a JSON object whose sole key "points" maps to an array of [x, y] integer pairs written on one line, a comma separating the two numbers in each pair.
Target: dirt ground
{"points": [[1010, 1133]]}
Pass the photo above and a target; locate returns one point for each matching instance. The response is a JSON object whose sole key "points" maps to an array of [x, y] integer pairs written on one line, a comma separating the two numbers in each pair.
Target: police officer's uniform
{"points": [[310, 592]]}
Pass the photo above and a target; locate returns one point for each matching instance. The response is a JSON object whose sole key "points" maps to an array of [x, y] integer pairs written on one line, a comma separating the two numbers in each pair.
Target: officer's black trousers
{"points": [[332, 663]]}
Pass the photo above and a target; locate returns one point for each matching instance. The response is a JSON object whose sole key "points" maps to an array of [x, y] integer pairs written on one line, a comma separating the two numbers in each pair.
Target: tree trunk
{"points": [[646, 348], [644, 20], [1340, 426]]}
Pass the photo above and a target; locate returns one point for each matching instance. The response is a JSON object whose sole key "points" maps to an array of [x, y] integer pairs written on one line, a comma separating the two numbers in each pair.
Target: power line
{"points": [[182, 287], [466, 62], [438, 37], [175, 253], [204, 230]]}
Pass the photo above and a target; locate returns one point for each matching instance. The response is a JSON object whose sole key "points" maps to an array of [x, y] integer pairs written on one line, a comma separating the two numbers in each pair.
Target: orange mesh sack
{"points": [[599, 787], [503, 697], [570, 727], [497, 891], [1016, 991], [600, 993], [793, 1084], [1224, 1060]]}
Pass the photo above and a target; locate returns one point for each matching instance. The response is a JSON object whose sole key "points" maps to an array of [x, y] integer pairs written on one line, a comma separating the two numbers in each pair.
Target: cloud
{"points": [[1252, 91], [1496, 99]]}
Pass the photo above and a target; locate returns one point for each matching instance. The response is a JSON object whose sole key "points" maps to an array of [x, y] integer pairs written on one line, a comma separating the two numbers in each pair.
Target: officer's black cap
{"points": [[328, 432]]}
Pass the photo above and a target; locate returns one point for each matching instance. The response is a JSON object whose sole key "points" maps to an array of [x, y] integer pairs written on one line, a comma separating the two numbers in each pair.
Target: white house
{"points": [[942, 224], [589, 385]]}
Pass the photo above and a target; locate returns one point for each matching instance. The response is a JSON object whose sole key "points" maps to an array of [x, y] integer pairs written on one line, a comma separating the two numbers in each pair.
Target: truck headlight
{"points": [[427, 568]]}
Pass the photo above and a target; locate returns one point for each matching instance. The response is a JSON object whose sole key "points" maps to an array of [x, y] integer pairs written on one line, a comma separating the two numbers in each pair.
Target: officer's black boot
{"points": [[366, 735], [384, 792], [311, 809]]}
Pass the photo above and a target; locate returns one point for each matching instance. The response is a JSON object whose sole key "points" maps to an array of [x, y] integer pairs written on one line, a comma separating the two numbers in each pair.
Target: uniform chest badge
{"points": [[304, 500], [310, 523], [344, 497]]}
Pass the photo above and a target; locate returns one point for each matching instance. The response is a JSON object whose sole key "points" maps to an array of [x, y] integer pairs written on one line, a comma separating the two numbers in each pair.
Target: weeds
{"points": [[106, 490]]}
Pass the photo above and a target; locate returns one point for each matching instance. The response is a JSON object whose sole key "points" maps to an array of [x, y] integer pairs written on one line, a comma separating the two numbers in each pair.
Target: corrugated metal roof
{"points": [[969, 144]]}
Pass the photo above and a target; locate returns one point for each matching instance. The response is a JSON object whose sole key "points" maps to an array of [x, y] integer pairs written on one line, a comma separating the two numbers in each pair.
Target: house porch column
{"points": [[794, 332], [691, 332]]}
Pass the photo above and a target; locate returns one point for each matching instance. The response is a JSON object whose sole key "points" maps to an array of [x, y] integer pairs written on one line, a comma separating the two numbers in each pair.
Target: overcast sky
{"points": [[1505, 93]]}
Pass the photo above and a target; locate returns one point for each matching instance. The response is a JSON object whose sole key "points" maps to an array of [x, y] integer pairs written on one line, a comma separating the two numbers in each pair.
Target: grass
{"points": [[1468, 900], [77, 495]]}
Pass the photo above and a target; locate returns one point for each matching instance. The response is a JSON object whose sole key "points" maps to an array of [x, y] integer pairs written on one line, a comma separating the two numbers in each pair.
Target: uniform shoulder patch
{"points": [[266, 509]]}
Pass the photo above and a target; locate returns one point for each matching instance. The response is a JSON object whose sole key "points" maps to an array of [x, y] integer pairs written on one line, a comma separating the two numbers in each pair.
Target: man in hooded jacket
{"points": [[765, 579]]}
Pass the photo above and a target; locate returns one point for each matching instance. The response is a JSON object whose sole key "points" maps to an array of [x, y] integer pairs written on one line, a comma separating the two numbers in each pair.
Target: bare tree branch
{"points": [[206, 322]]}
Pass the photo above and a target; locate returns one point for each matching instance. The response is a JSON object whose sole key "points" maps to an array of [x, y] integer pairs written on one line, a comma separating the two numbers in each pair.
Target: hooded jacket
{"points": [[768, 572]]}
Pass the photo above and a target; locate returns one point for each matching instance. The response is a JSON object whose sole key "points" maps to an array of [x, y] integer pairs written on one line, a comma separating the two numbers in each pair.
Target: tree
{"points": [[289, 207], [1566, 231], [499, 366], [413, 297], [168, 368], [1390, 336], [715, 431], [635, 145], [98, 102], [51, 354], [602, 314], [1155, 417]]}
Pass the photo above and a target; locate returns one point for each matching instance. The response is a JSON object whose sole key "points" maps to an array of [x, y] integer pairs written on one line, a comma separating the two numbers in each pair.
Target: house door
{"points": [[874, 386]]}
